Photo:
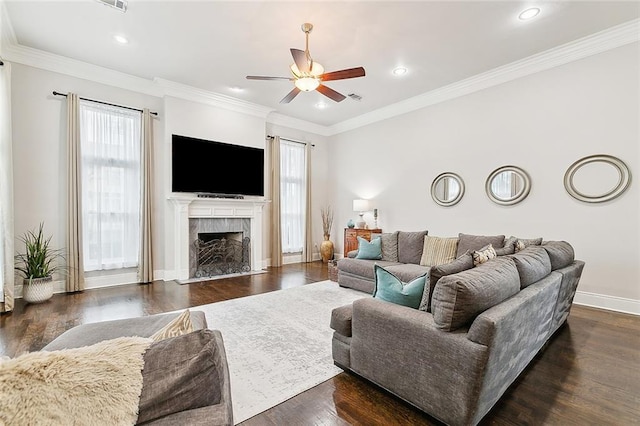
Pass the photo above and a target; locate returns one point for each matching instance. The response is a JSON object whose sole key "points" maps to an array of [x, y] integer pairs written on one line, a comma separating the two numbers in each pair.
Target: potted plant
{"points": [[37, 264]]}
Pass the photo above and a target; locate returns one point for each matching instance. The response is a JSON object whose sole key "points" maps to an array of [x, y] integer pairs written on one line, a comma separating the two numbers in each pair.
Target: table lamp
{"points": [[361, 206]]}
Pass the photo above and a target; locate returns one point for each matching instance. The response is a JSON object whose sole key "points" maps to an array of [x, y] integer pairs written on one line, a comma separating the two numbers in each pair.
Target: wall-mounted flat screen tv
{"points": [[216, 168]]}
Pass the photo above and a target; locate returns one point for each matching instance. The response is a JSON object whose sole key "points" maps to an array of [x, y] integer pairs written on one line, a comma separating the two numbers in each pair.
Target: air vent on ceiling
{"points": [[355, 97], [121, 5]]}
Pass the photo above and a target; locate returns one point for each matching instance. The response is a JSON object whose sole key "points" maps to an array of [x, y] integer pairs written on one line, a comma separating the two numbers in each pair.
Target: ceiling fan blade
{"points": [[342, 74], [292, 94], [262, 77], [300, 58], [330, 93]]}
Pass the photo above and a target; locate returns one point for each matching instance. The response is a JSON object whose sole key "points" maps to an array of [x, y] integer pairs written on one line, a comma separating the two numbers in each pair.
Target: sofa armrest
{"points": [[352, 254], [341, 319]]}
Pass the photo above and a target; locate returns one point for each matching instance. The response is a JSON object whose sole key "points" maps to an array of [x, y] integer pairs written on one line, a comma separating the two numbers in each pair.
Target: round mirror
{"points": [[597, 178], [447, 189], [508, 185]]}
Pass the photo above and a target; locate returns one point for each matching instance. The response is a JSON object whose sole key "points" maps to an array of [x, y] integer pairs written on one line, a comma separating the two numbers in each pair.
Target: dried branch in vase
{"points": [[327, 220]]}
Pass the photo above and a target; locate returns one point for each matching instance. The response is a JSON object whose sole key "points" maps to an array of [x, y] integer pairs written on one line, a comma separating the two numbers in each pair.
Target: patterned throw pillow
{"points": [[369, 249], [483, 255], [390, 288], [438, 250], [177, 327], [520, 245]]}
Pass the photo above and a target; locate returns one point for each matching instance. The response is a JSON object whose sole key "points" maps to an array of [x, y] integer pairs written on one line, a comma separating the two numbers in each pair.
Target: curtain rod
{"points": [[104, 103], [292, 140]]}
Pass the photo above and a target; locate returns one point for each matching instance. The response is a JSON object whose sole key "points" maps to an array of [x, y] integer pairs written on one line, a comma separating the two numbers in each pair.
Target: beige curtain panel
{"points": [[75, 264], [6, 193], [276, 232], [308, 228], [145, 269]]}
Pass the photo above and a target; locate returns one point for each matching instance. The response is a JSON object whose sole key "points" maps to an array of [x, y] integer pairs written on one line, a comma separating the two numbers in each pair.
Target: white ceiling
{"points": [[214, 45]]}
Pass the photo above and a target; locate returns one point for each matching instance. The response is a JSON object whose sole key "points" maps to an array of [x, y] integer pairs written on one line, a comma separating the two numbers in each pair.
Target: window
{"points": [[110, 171], [292, 195]]}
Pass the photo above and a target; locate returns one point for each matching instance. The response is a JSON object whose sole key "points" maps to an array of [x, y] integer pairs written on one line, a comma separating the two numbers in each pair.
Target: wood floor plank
{"points": [[588, 373]]}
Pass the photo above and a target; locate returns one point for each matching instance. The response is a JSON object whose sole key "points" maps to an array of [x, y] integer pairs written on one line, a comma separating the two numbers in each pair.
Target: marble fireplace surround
{"points": [[190, 206]]}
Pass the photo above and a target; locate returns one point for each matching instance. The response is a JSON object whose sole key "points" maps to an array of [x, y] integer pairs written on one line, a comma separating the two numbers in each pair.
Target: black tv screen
{"points": [[216, 168]]}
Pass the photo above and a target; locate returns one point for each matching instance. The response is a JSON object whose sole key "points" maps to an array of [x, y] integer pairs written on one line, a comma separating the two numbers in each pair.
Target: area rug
{"points": [[278, 344]]}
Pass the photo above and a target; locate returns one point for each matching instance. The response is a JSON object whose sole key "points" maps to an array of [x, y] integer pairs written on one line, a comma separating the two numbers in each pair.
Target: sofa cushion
{"points": [[361, 267], [460, 264], [410, 246], [533, 264], [438, 250], [180, 373], [459, 298], [483, 255], [560, 253], [341, 319], [177, 327], [392, 289], [407, 271], [369, 249], [476, 242]]}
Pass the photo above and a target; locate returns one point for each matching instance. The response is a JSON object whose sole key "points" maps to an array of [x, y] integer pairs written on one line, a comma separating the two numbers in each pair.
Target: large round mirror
{"points": [[508, 185], [447, 189], [597, 178]]}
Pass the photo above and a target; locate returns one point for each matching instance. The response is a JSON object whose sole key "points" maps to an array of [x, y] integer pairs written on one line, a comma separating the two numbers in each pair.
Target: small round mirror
{"points": [[508, 185], [447, 189], [597, 178]]}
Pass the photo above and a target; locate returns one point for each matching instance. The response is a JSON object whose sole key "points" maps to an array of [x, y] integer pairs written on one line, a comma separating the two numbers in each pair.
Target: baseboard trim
{"points": [[611, 303]]}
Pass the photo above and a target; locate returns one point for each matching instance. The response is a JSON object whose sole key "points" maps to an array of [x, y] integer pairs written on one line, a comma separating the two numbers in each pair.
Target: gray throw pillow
{"points": [[389, 246], [477, 242], [180, 373], [511, 241], [462, 263], [410, 245]]}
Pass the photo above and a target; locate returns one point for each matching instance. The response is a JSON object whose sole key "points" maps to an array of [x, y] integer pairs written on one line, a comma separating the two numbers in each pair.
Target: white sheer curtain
{"points": [[292, 195], [110, 146], [6, 192]]}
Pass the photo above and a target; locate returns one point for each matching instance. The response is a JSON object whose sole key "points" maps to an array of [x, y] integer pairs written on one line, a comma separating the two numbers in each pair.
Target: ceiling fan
{"points": [[309, 75]]}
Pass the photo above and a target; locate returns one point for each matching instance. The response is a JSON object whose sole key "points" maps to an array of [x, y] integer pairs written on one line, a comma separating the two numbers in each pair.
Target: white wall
{"points": [[39, 148], [542, 123]]}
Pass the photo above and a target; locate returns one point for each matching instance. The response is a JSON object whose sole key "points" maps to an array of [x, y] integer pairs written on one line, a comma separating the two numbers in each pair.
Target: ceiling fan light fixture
{"points": [[307, 84]]}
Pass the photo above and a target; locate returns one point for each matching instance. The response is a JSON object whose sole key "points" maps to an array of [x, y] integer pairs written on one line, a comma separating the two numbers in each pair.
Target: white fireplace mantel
{"points": [[187, 206]]}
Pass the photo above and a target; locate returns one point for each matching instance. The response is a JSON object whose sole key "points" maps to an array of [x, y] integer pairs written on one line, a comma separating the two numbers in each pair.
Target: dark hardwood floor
{"points": [[588, 374]]}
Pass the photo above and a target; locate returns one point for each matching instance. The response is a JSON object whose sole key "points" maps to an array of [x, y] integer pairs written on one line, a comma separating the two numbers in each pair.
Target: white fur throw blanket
{"points": [[92, 385]]}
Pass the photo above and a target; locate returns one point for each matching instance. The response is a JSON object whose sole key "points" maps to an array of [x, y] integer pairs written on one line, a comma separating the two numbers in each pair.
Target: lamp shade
{"points": [[361, 205]]}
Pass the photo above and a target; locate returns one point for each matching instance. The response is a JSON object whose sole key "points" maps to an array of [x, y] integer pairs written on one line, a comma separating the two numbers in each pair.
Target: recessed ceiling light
{"points": [[399, 71], [120, 39], [529, 13], [321, 105], [236, 89]]}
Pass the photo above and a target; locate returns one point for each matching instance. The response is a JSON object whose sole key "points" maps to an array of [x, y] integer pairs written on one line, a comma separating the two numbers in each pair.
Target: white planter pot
{"points": [[37, 290]]}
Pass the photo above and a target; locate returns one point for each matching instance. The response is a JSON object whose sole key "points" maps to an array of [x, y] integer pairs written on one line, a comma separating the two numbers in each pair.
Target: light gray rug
{"points": [[278, 344]]}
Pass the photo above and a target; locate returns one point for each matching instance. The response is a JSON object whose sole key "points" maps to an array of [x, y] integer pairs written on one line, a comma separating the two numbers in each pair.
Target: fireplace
{"points": [[219, 253], [240, 220]]}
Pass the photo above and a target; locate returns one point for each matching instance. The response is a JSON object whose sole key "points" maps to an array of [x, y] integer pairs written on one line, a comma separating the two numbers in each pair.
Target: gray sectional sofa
{"points": [[476, 330]]}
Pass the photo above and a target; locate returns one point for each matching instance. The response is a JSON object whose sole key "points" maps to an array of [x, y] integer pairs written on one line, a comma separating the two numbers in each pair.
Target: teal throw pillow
{"points": [[369, 249], [390, 288]]}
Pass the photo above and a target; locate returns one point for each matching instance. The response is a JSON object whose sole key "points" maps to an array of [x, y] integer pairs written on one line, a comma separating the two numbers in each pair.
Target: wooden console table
{"points": [[351, 237]]}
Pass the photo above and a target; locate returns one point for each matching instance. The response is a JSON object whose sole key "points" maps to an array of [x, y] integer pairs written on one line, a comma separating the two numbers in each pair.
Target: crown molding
{"points": [[183, 91], [602, 41], [295, 123]]}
